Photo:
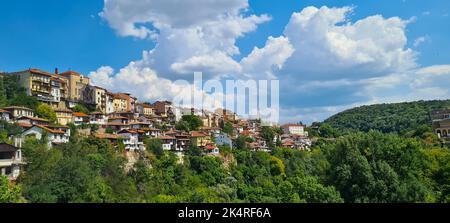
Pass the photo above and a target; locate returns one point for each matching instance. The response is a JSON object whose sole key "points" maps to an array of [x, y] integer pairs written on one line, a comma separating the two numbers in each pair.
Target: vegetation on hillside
{"points": [[387, 118]]}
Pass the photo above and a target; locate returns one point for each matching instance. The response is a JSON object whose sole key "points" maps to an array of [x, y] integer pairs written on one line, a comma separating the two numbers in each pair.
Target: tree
{"points": [[9, 193], [189, 123], [46, 111], [228, 128], [155, 146], [80, 108], [268, 134]]}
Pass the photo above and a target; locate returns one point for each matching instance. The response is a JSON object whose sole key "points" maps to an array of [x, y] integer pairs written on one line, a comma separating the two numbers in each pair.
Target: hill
{"points": [[386, 118]]}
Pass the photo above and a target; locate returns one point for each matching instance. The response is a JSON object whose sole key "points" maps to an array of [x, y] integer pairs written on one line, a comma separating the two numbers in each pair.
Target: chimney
{"points": [[56, 71]]}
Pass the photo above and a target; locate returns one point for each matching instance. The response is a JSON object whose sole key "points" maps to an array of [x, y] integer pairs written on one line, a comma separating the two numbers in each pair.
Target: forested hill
{"points": [[386, 118]]}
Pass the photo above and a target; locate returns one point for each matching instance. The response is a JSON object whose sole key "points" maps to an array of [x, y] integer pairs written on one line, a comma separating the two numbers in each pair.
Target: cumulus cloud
{"points": [[328, 45], [261, 62], [325, 61]]}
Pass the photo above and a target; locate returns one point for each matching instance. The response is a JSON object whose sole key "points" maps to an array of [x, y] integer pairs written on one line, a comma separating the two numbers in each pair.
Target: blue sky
{"points": [[72, 35]]}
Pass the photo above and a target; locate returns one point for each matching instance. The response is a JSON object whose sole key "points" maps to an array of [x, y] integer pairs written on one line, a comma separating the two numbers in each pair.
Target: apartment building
{"points": [[77, 84], [120, 103], [10, 161], [96, 96], [37, 83], [144, 109]]}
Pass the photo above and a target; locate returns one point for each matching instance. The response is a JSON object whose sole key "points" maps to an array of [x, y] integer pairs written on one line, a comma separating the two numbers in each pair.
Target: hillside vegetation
{"points": [[387, 118]]}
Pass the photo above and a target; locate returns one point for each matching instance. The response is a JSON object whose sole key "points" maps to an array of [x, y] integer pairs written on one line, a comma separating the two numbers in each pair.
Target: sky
{"points": [[328, 55]]}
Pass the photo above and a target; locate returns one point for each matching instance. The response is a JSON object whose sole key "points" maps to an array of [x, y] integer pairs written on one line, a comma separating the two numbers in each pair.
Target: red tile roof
{"points": [[79, 114]]}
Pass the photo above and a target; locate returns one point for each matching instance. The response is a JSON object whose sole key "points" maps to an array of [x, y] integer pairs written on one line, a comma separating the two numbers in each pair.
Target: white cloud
{"points": [[328, 45], [325, 62], [261, 62]]}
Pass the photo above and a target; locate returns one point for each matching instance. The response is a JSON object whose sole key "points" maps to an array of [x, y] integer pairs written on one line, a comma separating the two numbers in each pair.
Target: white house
{"points": [[54, 136], [18, 111], [295, 129], [131, 140], [98, 118]]}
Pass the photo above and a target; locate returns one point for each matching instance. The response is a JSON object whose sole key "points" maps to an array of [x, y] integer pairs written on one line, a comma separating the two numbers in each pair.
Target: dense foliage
{"points": [[12, 93], [386, 117]]}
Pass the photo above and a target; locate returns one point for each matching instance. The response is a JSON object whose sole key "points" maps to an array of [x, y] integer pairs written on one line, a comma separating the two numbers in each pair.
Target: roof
{"points": [[35, 71], [3, 111], [166, 137], [122, 96], [79, 114], [33, 118], [198, 134], [97, 113], [117, 117], [292, 125], [25, 125], [4, 147], [18, 107], [63, 110], [128, 131], [67, 73], [107, 136], [144, 105], [53, 131]]}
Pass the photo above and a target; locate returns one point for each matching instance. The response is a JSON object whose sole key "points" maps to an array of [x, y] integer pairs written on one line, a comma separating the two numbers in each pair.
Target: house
{"points": [[77, 84], [139, 125], [96, 96], [123, 102], [10, 161], [295, 129], [131, 140], [19, 111], [144, 109], [152, 132], [98, 118], [32, 120], [162, 108], [223, 139], [80, 118], [113, 138], [116, 126], [211, 150], [37, 83], [118, 119], [5, 115], [54, 136], [64, 116], [200, 139], [441, 123], [183, 142], [59, 90], [109, 103], [168, 142]]}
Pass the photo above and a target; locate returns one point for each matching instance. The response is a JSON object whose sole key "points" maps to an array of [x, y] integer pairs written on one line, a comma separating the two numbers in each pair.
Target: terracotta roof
{"points": [[210, 147], [26, 125], [115, 124], [197, 134], [129, 131], [3, 111], [70, 73], [53, 131], [37, 71], [79, 114], [107, 136], [166, 137]]}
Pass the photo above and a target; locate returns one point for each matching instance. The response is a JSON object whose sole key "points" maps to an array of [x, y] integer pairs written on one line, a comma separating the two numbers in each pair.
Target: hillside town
{"points": [[123, 119]]}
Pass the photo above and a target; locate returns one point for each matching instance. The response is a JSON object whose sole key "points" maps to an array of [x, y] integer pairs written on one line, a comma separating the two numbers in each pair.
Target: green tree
{"points": [[154, 145], [46, 111], [9, 193]]}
